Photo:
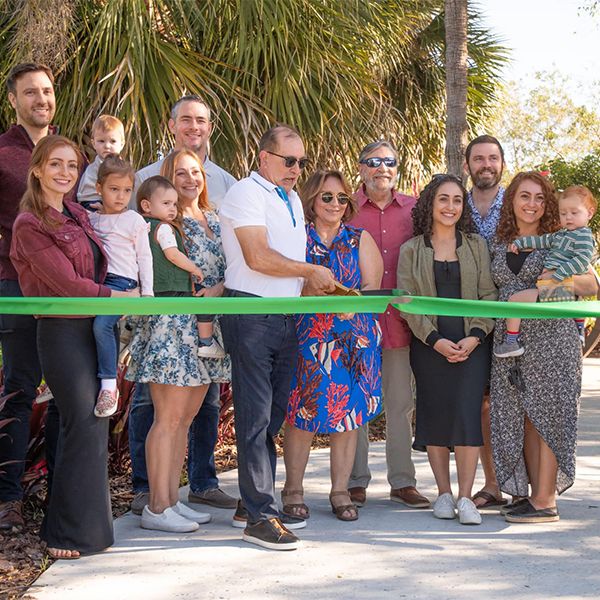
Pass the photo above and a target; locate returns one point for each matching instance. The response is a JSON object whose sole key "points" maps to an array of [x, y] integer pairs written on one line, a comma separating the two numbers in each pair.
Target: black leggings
{"points": [[78, 516]]}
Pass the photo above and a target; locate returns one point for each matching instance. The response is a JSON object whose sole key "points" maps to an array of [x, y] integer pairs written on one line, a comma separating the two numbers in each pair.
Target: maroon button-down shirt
{"points": [[390, 228]]}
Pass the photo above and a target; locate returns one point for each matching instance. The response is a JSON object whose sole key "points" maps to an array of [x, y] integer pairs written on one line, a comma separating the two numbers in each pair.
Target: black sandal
{"points": [[339, 511], [299, 509]]}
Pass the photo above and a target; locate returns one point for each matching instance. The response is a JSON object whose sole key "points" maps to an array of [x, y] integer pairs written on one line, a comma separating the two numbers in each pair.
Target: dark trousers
{"points": [[22, 374], [78, 516], [202, 439], [263, 350]]}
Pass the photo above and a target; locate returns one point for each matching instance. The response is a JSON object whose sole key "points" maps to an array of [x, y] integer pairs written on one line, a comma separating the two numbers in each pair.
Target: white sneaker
{"points": [[168, 520], [189, 513], [444, 507], [215, 350], [467, 512]]}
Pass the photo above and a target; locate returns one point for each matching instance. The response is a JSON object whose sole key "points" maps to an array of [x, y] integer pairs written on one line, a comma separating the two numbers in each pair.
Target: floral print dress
{"points": [[544, 384], [164, 348], [337, 383]]}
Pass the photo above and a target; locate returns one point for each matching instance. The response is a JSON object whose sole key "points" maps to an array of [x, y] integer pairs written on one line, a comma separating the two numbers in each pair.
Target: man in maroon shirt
{"points": [[31, 94], [386, 215]]}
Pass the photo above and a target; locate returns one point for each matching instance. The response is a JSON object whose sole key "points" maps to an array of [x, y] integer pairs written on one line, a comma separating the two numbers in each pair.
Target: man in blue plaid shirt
{"points": [[484, 162]]}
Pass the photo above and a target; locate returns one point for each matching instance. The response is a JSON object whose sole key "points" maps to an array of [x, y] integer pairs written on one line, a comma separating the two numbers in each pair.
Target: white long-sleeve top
{"points": [[125, 239]]}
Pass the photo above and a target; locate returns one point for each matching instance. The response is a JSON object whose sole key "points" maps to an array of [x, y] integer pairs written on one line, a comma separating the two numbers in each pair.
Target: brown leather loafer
{"points": [[358, 495], [11, 516], [409, 496]]}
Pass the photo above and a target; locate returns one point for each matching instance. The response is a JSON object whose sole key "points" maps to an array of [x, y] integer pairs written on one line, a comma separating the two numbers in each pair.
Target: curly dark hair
{"points": [[422, 213], [507, 230]]}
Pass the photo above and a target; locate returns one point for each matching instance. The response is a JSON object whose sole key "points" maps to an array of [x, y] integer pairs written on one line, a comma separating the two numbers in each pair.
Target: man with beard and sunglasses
{"points": [[484, 163], [386, 215]]}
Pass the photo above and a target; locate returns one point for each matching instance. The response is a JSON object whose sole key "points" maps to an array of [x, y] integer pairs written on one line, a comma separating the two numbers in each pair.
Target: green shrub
{"points": [[585, 171]]}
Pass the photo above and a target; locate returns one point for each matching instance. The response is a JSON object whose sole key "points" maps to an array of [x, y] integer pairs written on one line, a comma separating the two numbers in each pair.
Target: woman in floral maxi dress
{"points": [[337, 383]]}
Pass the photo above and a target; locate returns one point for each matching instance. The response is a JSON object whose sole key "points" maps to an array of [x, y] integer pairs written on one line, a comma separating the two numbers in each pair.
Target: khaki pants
{"points": [[398, 404]]}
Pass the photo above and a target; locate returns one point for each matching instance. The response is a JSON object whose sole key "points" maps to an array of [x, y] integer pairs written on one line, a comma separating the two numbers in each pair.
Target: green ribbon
{"points": [[448, 307], [309, 304], [186, 306]]}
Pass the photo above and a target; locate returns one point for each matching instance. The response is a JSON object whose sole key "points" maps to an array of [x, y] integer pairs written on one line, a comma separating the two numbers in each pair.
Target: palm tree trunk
{"points": [[455, 20]]}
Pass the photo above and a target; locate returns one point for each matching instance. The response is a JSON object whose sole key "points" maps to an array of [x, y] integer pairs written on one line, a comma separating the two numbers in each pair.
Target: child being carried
{"points": [[124, 235], [157, 203], [571, 251]]}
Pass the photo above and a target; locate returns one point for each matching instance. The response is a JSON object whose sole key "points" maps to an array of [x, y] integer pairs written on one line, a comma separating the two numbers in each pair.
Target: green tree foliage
{"points": [[540, 120], [584, 171], [344, 73]]}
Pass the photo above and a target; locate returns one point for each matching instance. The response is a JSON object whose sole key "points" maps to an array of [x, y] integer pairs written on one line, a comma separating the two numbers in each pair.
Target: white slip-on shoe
{"points": [[189, 513], [215, 350], [467, 512], [168, 520], [444, 507]]}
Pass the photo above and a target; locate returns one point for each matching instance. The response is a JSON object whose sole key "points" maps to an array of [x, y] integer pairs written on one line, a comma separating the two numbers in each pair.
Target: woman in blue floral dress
{"points": [[164, 353], [337, 384]]}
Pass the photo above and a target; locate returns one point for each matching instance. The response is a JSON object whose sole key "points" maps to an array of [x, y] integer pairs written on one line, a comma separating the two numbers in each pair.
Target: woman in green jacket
{"points": [[450, 356]]}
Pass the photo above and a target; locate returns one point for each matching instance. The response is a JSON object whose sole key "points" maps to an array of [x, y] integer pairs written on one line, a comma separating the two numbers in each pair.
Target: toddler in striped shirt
{"points": [[571, 251]]}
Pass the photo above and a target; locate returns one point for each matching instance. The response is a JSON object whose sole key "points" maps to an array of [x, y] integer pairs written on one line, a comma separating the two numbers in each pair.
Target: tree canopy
{"points": [[343, 73], [539, 120]]}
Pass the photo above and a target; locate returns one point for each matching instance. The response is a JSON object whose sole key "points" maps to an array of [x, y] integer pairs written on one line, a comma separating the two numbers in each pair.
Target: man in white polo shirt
{"points": [[262, 228]]}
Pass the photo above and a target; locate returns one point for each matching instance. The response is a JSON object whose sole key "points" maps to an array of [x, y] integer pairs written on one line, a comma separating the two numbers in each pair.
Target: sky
{"points": [[547, 35]]}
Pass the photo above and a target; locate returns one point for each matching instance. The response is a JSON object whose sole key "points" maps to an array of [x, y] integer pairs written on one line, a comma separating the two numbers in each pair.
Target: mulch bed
{"points": [[22, 555]]}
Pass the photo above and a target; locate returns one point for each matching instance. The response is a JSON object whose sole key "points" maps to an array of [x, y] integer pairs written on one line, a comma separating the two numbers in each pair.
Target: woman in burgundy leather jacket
{"points": [[56, 253]]}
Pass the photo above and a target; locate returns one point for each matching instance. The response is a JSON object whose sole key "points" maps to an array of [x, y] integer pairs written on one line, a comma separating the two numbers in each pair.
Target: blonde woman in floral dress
{"points": [[165, 354]]}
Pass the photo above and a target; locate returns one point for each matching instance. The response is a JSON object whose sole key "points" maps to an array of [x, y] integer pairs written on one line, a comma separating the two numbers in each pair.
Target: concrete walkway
{"points": [[390, 552]]}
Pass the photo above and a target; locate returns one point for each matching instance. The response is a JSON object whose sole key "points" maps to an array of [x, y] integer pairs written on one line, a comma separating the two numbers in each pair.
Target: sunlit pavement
{"points": [[390, 551]]}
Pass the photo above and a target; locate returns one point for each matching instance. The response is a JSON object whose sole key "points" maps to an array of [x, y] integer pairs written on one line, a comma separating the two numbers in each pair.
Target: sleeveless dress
{"points": [[543, 384], [164, 348], [337, 382], [449, 395]]}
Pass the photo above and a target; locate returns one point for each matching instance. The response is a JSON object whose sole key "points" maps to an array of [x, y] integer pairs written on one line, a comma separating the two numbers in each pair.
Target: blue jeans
{"points": [[202, 439], [106, 332], [263, 350], [22, 376]]}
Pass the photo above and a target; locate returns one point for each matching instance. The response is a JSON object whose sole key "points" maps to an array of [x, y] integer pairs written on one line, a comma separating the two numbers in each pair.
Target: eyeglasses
{"points": [[376, 161], [342, 198], [290, 161]]}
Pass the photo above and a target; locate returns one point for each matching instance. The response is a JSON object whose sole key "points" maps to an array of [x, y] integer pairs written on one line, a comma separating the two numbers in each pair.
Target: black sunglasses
{"points": [[376, 161], [290, 161], [342, 198]]}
